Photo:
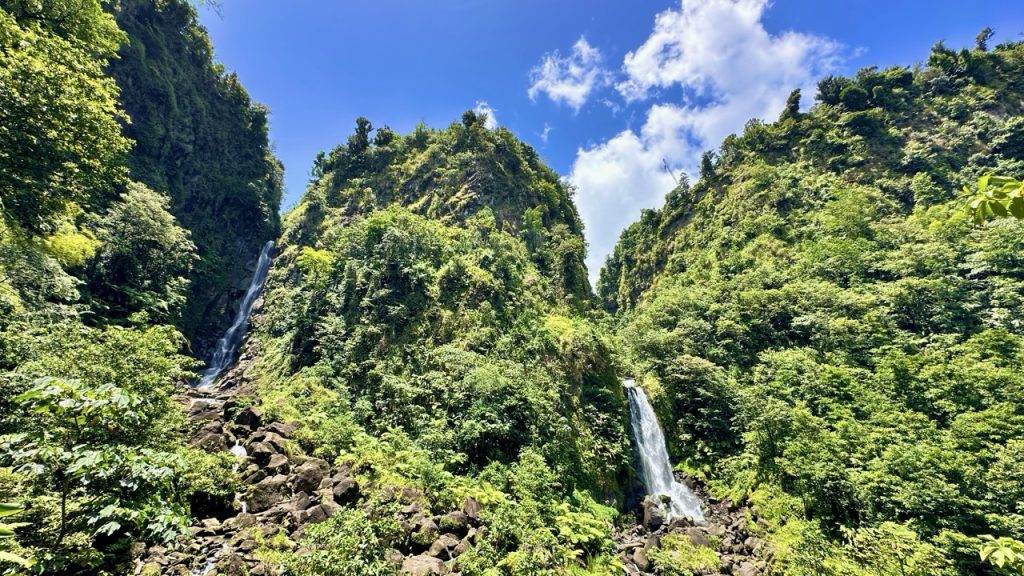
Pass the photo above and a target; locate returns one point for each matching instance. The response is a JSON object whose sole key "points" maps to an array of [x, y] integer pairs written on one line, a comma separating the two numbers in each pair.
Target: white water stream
{"points": [[227, 347], [655, 467]]}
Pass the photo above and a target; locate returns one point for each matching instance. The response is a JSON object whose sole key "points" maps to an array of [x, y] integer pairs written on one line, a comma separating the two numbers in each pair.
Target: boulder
{"points": [[278, 464], [745, 569], [471, 508], [654, 515], [641, 560], [444, 546], [307, 477], [267, 492], [424, 531], [283, 429], [251, 418], [752, 544], [210, 442], [455, 522], [261, 453], [423, 565], [697, 536]]}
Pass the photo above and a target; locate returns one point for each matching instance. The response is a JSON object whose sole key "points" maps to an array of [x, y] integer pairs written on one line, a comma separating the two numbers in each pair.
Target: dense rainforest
{"points": [[824, 328], [104, 269], [833, 346]]}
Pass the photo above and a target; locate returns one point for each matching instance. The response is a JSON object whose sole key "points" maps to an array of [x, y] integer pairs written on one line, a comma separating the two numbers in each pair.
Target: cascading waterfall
{"points": [[655, 467], [228, 345]]}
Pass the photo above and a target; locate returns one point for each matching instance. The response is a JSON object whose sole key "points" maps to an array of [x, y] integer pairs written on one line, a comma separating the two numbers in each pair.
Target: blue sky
{"points": [[607, 91]]}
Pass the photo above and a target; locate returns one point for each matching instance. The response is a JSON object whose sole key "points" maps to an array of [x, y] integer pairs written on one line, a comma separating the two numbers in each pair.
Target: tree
{"points": [[792, 109], [981, 41], [92, 426], [60, 140], [144, 260]]}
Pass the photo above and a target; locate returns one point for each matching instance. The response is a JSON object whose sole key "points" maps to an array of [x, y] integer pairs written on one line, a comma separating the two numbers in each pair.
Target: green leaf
{"points": [[14, 558]]}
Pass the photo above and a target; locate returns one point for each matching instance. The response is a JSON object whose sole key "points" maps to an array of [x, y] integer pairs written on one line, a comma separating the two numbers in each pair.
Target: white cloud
{"points": [[729, 69], [569, 79], [545, 133], [482, 107]]}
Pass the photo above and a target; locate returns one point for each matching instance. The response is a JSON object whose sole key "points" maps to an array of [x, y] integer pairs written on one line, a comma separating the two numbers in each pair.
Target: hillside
{"points": [[425, 321], [825, 329]]}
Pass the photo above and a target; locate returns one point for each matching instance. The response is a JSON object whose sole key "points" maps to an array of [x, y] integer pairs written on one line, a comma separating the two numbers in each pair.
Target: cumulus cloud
{"points": [[569, 79], [727, 67], [482, 107]]}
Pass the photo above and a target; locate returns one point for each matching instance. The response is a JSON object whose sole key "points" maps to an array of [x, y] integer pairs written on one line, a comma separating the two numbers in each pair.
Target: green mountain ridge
{"points": [[822, 324], [833, 347]]}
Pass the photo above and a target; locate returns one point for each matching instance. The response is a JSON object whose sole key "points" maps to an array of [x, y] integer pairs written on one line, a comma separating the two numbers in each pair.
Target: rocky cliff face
{"points": [[199, 138]]}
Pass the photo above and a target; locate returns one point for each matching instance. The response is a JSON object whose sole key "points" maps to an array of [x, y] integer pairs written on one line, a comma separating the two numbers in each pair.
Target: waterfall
{"points": [[655, 467], [228, 345]]}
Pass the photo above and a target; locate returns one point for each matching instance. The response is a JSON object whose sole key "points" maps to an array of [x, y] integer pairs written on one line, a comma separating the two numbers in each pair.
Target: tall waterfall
{"points": [[655, 468], [228, 345]]}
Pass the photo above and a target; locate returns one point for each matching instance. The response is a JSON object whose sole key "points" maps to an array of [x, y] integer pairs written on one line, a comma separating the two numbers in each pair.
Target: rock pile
{"points": [[283, 492], [729, 532]]}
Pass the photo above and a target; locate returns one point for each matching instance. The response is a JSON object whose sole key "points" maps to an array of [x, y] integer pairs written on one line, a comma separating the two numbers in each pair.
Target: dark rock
{"points": [[679, 524], [261, 453], [462, 548], [268, 492], [456, 522], [346, 491], [410, 495], [654, 516], [313, 515], [232, 565], [652, 542], [423, 565], [278, 464], [471, 508], [697, 536], [210, 442], [250, 417], [442, 547], [300, 501], [307, 477], [424, 531], [745, 569], [283, 429], [752, 544]]}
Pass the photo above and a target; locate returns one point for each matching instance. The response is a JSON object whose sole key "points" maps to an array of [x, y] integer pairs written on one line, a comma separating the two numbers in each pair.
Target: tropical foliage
{"points": [[821, 315]]}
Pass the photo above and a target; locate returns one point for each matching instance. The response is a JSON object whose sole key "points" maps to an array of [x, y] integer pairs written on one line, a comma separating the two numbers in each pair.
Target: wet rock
{"points": [[654, 516], [423, 565], [679, 524]]}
